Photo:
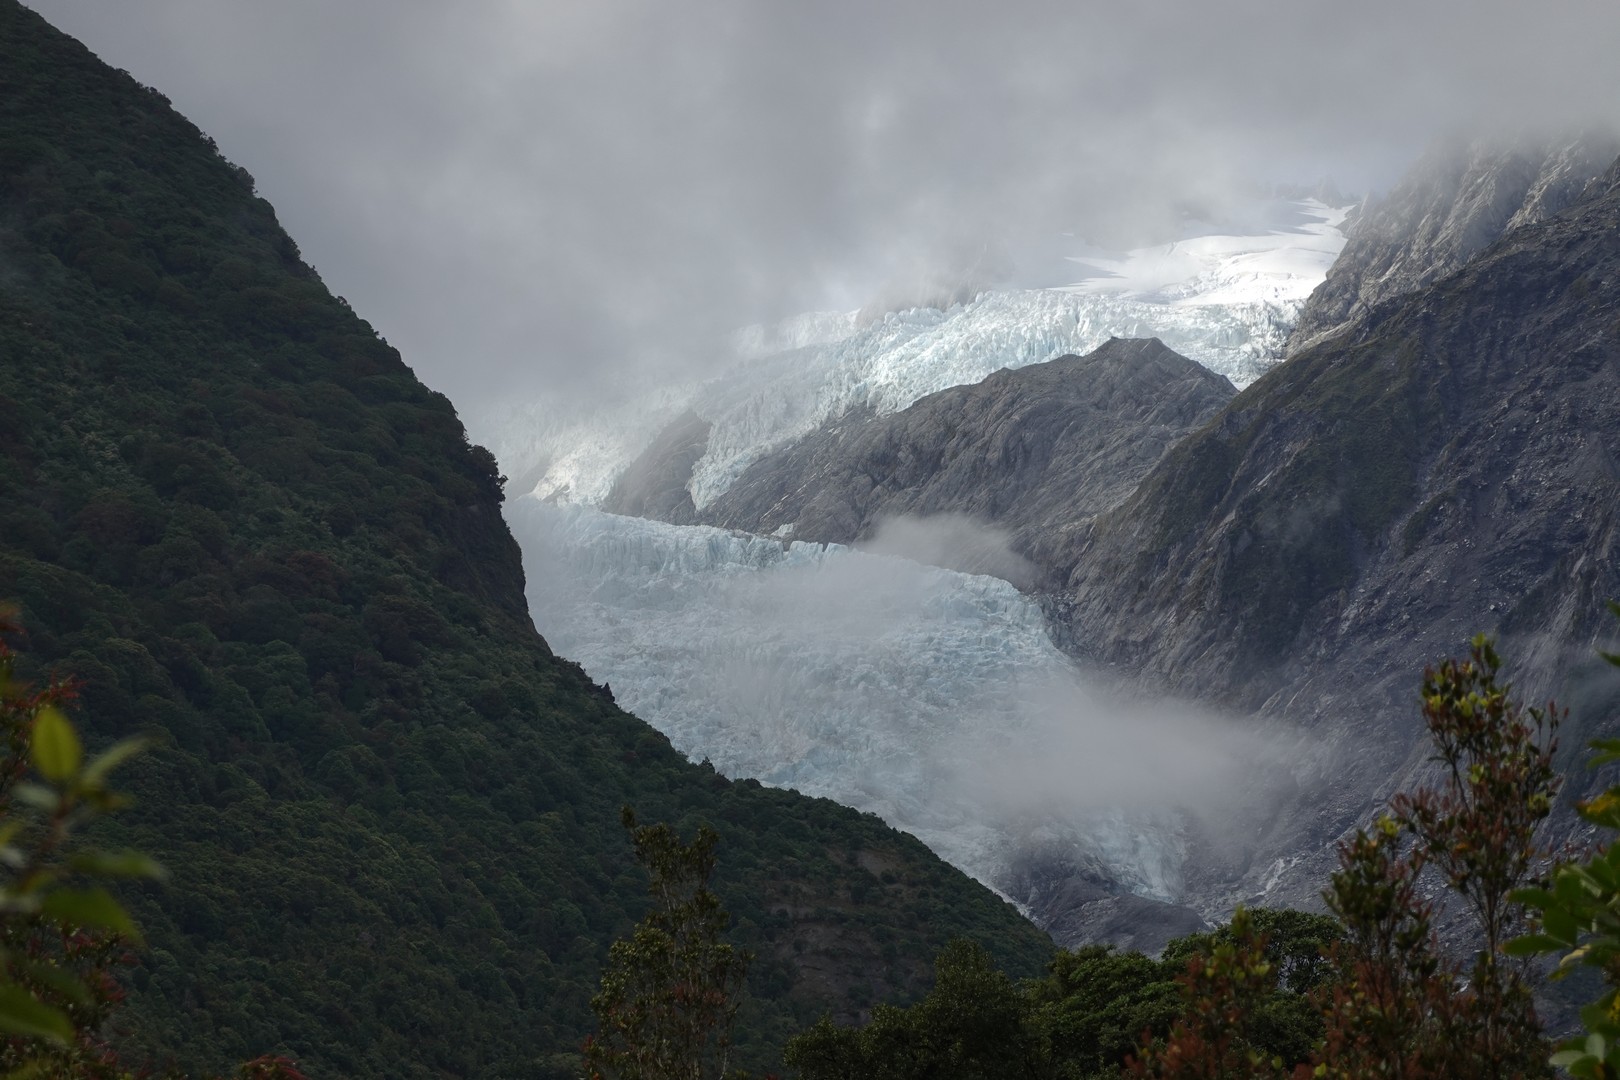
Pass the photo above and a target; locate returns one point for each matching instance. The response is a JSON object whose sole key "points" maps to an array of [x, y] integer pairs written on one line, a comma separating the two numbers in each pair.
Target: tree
{"points": [[1578, 916], [672, 988], [1402, 1009], [975, 1024], [1478, 831], [1224, 992], [1391, 1002], [61, 934], [1386, 1013]]}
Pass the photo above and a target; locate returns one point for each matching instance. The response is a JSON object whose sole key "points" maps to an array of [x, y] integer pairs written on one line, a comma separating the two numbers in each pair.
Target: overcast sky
{"points": [[532, 196]]}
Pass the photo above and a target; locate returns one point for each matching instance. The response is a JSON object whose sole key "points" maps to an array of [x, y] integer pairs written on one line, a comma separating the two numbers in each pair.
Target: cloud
{"points": [[954, 541], [562, 197]]}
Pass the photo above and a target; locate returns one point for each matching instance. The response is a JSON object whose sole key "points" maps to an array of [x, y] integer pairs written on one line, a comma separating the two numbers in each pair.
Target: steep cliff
{"points": [[1035, 450], [1445, 466], [1457, 200]]}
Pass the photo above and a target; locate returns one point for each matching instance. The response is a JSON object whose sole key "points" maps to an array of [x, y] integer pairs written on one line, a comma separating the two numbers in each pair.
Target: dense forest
{"points": [[389, 813]]}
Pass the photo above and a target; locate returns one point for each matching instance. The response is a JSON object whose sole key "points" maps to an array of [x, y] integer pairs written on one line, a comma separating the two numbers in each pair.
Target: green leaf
{"points": [[1540, 899], [57, 753], [23, 1014], [56, 978], [1565, 1058], [114, 756], [1560, 925], [1531, 944], [117, 864], [37, 796], [92, 908]]}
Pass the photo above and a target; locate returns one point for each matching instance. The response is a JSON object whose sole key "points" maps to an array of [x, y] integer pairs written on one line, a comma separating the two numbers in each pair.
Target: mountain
{"points": [[935, 699], [1445, 465], [390, 811], [1224, 296], [1034, 450], [1456, 201], [1440, 465]]}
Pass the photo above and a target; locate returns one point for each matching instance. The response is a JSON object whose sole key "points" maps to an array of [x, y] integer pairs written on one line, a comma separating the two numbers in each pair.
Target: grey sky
{"points": [[548, 196]]}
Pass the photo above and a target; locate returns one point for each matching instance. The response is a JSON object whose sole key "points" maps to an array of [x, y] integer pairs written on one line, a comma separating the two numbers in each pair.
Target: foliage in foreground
{"points": [[1578, 918], [61, 935], [1083, 1019], [1368, 993], [672, 988]]}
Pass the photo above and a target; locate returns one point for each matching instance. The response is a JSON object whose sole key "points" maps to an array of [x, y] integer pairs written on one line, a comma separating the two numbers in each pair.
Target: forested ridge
{"points": [[390, 814]]}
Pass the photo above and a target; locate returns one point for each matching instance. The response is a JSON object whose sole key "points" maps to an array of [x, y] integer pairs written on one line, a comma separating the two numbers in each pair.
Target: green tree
{"points": [[62, 933], [1478, 830], [975, 1024], [59, 931], [1386, 1013], [673, 987], [1577, 917], [1402, 1009], [1220, 1035]]}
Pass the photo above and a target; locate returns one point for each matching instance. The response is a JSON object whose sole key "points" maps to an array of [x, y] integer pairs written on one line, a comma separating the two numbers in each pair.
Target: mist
{"points": [[930, 697], [955, 542], [572, 200]]}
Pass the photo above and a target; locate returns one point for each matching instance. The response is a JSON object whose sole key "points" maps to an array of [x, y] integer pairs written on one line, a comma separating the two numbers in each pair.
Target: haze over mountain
{"points": [[1069, 459], [543, 195]]}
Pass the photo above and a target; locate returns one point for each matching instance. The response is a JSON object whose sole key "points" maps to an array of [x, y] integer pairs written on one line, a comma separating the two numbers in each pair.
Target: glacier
{"points": [[932, 698], [1226, 301], [929, 697]]}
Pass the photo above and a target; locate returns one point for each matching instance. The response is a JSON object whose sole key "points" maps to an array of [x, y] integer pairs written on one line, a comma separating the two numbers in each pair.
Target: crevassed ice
{"points": [[932, 698], [926, 696], [767, 401], [1227, 302]]}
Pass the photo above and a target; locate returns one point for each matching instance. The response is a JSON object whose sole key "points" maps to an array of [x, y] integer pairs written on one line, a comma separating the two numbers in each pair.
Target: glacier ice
{"points": [[1225, 301], [932, 698], [929, 697]]}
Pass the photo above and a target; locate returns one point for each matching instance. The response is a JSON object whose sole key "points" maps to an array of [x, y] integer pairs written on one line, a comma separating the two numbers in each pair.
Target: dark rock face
{"points": [[1455, 202], [1035, 451], [1447, 465], [657, 484], [1081, 906]]}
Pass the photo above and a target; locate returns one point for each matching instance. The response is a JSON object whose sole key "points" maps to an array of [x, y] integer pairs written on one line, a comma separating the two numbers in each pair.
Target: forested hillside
{"points": [[390, 813]]}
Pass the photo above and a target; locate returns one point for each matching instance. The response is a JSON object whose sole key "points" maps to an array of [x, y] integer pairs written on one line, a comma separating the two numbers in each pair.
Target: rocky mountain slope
{"points": [[1441, 464], [1445, 466], [390, 812], [1457, 200], [1035, 450]]}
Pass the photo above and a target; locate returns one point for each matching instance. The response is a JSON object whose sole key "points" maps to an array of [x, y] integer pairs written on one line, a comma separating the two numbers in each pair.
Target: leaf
{"points": [[114, 756], [1540, 899], [1560, 925], [37, 796], [1532, 944], [56, 751], [53, 977], [94, 908], [118, 864], [23, 1014]]}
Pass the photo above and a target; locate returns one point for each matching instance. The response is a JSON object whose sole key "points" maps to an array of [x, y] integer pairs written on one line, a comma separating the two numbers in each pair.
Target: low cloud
{"points": [[955, 542], [571, 199]]}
